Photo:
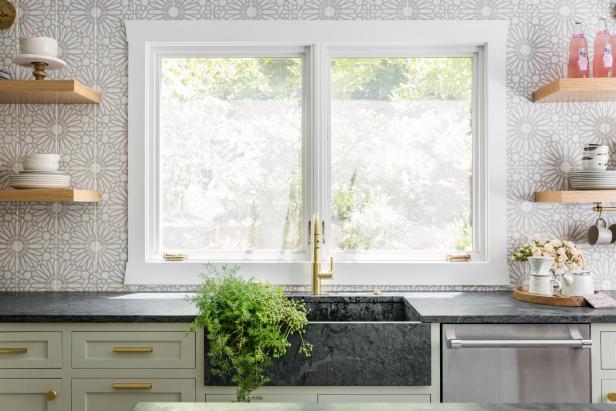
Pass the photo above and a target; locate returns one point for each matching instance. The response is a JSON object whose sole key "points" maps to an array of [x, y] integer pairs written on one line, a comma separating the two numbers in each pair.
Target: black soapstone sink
{"points": [[358, 308], [358, 341]]}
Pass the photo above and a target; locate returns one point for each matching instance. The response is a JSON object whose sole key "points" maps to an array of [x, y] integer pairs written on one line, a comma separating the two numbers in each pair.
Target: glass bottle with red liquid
{"points": [[579, 66], [603, 60]]}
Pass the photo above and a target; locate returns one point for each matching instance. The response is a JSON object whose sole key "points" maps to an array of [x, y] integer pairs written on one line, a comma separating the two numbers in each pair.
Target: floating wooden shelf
{"points": [[47, 92], [68, 195], [577, 89], [576, 197]]}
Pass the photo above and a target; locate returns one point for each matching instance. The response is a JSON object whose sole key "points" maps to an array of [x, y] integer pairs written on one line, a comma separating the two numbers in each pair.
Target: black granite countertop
{"points": [[365, 407], [41, 307], [500, 307], [442, 307]]}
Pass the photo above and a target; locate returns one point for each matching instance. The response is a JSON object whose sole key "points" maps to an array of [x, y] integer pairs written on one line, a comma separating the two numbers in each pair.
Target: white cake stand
{"points": [[40, 63]]}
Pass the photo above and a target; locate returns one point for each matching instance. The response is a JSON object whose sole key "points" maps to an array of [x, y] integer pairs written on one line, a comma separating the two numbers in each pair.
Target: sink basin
{"points": [[358, 341], [358, 309]]}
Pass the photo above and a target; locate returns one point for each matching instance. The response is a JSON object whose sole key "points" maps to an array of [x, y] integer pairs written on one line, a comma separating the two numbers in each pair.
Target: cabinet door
{"points": [[123, 394], [299, 398], [31, 394], [329, 398]]}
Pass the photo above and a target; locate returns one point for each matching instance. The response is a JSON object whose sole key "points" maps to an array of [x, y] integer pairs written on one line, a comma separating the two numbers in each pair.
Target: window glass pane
{"points": [[230, 153], [401, 174]]}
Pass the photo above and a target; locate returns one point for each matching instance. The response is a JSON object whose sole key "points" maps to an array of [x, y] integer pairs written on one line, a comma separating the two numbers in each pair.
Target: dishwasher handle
{"points": [[577, 343]]}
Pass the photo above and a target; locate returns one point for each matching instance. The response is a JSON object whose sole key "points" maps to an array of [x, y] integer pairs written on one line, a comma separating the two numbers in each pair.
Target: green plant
{"points": [[247, 324]]}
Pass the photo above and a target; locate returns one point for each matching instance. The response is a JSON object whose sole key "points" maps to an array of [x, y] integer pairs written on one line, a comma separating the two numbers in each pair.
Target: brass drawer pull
{"points": [[131, 386], [51, 395], [133, 349], [611, 396], [17, 350]]}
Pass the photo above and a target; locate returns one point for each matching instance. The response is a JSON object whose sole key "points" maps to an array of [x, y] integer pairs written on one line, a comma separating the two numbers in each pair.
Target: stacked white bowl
{"points": [[40, 171], [40, 46]]}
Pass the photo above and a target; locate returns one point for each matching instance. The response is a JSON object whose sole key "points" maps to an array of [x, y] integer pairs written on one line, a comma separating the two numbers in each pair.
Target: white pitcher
{"points": [[540, 265], [577, 283]]}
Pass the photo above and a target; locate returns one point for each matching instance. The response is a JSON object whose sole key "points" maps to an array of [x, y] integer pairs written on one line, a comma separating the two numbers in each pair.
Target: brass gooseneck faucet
{"points": [[318, 239]]}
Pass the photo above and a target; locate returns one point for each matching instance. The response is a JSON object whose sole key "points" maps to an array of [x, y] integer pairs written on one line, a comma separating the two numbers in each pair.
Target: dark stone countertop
{"points": [[500, 307], [442, 307], [365, 407], [43, 307]]}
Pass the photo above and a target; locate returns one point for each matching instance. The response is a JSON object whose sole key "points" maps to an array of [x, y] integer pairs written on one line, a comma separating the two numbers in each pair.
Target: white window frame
{"points": [[149, 40]]}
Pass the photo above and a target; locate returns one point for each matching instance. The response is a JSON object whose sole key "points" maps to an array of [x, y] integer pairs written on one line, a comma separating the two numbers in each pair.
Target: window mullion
{"points": [[318, 148]]}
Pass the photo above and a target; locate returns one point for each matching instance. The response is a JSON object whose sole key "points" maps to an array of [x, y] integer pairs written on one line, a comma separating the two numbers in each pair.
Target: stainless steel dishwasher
{"points": [[510, 363]]}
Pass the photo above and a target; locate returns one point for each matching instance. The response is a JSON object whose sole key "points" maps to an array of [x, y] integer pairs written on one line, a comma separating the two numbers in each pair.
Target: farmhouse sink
{"points": [[357, 341]]}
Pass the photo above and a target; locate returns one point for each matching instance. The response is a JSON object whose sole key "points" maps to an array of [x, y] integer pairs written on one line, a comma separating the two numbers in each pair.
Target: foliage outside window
{"points": [[231, 153]]}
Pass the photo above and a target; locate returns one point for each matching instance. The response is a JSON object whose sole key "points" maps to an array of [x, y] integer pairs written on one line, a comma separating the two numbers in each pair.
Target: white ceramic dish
{"points": [[39, 185], [26, 60], [40, 181], [45, 46], [41, 162], [45, 172], [42, 157]]}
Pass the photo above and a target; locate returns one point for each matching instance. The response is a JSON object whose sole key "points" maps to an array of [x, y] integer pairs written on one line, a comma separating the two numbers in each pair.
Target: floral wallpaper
{"points": [[84, 246]]}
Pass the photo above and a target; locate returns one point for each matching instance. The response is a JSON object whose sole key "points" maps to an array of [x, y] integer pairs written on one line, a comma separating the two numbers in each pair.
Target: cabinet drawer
{"points": [[608, 387], [299, 398], [608, 350], [30, 349], [123, 394], [164, 349], [330, 398], [31, 395]]}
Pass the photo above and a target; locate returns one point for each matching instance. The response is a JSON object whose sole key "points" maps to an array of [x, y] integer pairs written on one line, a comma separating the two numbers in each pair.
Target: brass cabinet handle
{"points": [[131, 386], [51, 395], [133, 349], [611, 396], [16, 350]]}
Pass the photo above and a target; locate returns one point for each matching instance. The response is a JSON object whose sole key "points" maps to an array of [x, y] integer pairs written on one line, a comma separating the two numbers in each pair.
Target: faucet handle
{"points": [[328, 275]]}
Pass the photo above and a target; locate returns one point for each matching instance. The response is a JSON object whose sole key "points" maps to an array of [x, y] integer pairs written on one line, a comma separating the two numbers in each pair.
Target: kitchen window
{"points": [[240, 131]]}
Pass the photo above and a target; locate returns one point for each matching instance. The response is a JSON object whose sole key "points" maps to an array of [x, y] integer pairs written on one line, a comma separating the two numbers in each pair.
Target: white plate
{"points": [[613, 187], [28, 172], [39, 185], [593, 173], [44, 178], [26, 60]]}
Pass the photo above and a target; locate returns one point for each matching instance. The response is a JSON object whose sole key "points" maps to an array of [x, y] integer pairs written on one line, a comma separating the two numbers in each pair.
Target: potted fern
{"points": [[247, 325]]}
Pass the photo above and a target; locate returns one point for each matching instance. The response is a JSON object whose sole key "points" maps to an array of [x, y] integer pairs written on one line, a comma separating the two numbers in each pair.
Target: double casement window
{"points": [[391, 131]]}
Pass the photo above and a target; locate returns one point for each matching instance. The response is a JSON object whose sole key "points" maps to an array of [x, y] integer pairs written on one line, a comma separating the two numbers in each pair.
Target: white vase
{"points": [[540, 265]]}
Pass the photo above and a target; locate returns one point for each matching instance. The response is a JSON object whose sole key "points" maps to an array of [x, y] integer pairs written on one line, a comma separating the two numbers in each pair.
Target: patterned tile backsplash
{"points": [[84, 247]]}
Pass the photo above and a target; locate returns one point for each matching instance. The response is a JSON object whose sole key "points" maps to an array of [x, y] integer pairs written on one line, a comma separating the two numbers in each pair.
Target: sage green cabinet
{"points": [[122, 394], [297, 398], [363, 398], [40, 394], [133, 349], [30, 349]]}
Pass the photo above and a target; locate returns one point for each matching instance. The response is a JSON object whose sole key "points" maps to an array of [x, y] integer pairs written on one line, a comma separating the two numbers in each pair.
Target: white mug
{"points": [[543, 285], [579, 283], [599, 234]]}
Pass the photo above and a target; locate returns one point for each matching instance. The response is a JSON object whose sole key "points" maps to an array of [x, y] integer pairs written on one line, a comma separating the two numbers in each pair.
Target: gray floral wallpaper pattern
{"points": [[84, 246]]}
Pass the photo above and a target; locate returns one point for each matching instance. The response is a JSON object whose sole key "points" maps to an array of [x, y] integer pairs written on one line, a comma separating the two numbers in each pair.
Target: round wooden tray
{"points": [[522, 294]]}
